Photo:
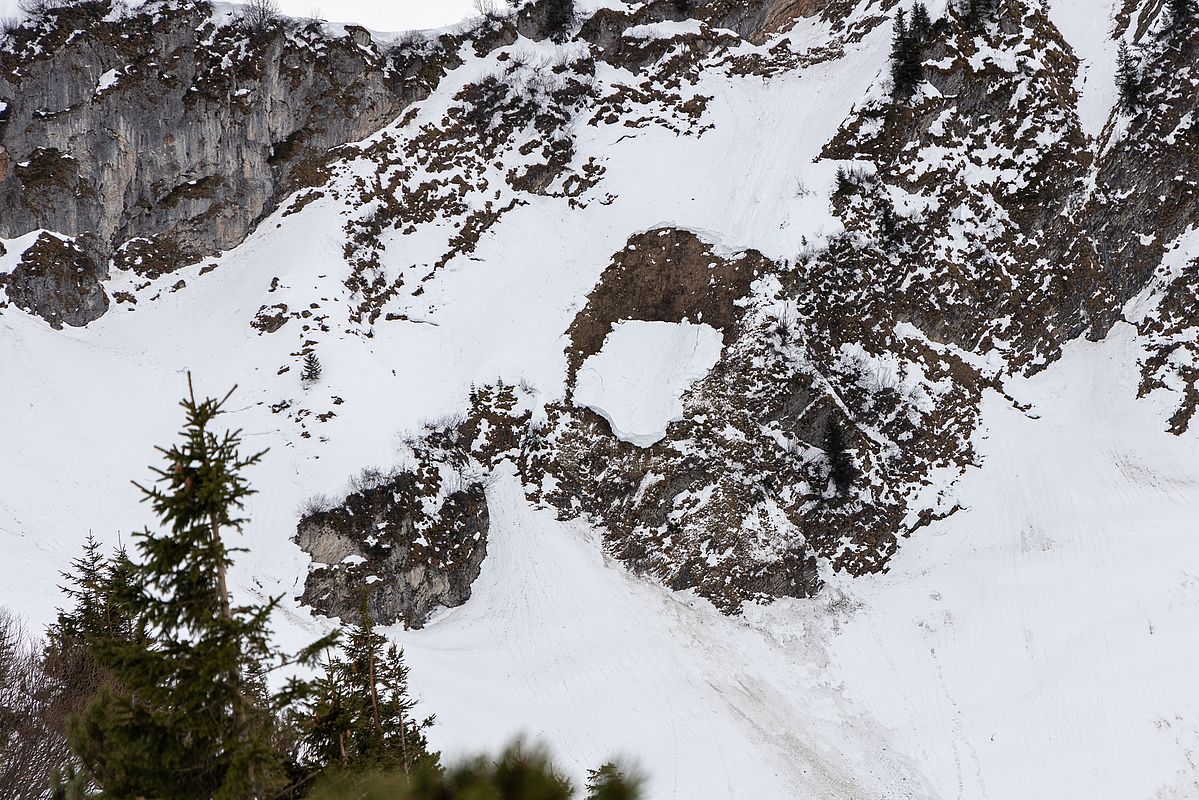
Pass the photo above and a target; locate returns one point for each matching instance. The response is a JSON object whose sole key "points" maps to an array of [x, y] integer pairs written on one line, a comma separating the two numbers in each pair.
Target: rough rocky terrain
{"points": [[400, 545], [974, 230]]}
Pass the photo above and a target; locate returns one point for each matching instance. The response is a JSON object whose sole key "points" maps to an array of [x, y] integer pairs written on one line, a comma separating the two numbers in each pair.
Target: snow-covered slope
{"points": [[638, 378], [597, 664], [999, 608], [1040, 642]]}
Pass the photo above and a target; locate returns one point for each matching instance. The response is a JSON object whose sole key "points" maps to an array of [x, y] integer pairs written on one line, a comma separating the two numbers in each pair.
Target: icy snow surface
{"points": [[638, 379]]}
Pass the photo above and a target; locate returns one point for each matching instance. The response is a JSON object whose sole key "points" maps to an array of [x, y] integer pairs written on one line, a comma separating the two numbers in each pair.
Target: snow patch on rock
{"points": [[638, 379]]}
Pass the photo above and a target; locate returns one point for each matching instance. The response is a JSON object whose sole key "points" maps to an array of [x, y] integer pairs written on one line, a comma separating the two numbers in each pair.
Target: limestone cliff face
{"points": [[401, 544], [57, 280], [979, 228], [159, 136]]}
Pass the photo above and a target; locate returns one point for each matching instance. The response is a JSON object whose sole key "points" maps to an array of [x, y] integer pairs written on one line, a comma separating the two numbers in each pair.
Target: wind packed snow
{"points": [[638, 379]]}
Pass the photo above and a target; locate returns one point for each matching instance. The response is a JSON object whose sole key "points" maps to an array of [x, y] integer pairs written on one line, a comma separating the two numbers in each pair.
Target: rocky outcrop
{"points": [[403, 544], [664, 275], [164, 134], [59, 281], [984, 231], [1146, 204], [737, 503], [979, 229]]}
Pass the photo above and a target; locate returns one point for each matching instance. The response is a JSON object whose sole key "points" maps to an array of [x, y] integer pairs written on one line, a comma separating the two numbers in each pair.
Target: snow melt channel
{"points": [[638, 378]]}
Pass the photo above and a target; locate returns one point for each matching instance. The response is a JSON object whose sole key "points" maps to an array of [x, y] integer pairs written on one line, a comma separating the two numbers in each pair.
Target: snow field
{"points": [[638, 379]]}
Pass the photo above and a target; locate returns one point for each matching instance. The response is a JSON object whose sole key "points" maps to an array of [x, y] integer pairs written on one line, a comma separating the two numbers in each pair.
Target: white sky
{"points": [[379, 15]]}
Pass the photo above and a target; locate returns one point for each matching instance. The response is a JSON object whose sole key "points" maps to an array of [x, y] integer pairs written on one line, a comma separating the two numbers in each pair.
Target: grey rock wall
{"points": [[382, 546], [167, 129]]}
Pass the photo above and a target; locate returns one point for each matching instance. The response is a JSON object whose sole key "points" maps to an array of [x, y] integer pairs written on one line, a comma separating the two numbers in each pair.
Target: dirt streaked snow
{"points": [[1042, 642], [1039, 643]]}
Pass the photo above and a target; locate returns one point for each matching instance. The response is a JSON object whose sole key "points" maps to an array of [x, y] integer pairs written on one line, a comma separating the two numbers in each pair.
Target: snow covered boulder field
{"points": [[781, 398]]}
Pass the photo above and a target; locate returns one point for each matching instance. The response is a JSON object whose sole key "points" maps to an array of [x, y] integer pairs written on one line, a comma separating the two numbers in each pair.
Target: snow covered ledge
{"points": [[638, 378]]}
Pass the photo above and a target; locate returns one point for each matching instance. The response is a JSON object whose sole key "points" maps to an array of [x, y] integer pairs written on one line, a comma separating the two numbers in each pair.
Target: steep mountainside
{"points": [[959, 359]]}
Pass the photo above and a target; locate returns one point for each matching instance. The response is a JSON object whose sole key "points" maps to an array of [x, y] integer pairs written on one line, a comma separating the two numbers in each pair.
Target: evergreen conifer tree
{"points": [[518, 774], [101, 608], [922, 24], [886, 221], [977, 12], [99, 616], [899, 43], [86, 586], [1128, 79], [312, 368], [1181, 12], [842, 471], [609, 783], [362, 714], [907, 59], [184, 720], [69, 783], [845, 183]]}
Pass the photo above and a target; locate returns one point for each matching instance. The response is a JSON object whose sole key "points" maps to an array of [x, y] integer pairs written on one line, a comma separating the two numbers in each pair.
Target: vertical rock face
{"points": [[163, 126], [403, 544]]}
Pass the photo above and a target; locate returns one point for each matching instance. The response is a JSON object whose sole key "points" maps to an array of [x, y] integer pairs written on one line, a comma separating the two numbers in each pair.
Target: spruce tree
{"points": [[312, 368], [101, 608], [845, 184], [69, 783], [842, 471], [86, 587], [922, 24], [609, 783], [977, 12], [362, 714], [907, 59], [1128, 79], [886, 221], [518, 774], [99, 615], [1181, 12], [184, 721], [899, 43]]}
